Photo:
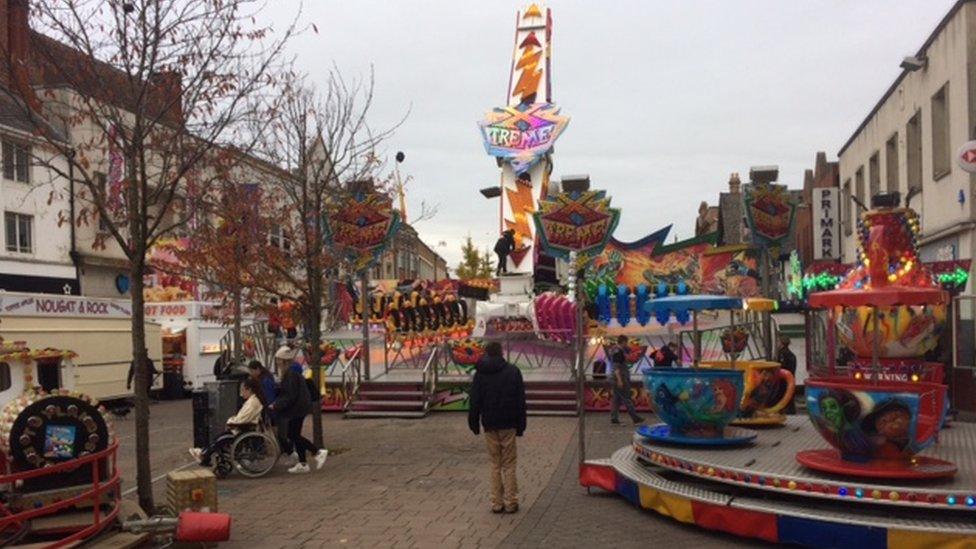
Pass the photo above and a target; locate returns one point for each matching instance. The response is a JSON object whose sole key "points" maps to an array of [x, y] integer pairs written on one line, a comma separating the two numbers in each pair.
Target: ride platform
{"points": [[761, 491]]}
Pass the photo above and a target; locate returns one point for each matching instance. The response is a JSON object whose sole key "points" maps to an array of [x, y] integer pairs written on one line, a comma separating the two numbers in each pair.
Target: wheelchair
{"points": [[252, 453]]}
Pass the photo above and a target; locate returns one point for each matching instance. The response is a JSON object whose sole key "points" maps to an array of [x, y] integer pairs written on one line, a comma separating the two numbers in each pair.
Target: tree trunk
{"points": [[141, 382], [237, 343], [314, 362]]}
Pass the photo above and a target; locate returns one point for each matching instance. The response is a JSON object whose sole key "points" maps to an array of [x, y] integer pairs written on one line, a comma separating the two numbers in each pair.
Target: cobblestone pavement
{"points": [[423, 483]]}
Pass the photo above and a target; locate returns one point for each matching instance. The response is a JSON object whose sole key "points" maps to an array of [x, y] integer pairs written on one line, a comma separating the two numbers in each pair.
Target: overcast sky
{"points": [[666, 98]]}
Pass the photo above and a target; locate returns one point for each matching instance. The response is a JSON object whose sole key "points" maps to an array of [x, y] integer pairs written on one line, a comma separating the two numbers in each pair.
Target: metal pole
{"points": [[766, 315], [696, 352], [831, 341], [364, 300], [580, 372], [876, 346], [732, 329]]}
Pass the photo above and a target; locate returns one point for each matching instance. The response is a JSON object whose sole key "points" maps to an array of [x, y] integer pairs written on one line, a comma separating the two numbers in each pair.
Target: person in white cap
{"points": [[292, 405]]}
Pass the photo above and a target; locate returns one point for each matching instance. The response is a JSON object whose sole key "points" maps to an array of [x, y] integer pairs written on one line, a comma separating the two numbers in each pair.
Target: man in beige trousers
{"points": [[497, 403]]}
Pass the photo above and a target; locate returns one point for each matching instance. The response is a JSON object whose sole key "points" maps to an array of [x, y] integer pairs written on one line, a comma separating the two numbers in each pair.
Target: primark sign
{"points": [[826, 224]]}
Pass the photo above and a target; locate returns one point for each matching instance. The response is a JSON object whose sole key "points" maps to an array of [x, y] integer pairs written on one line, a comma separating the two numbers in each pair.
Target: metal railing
{"points": [[430, 376], [352, 378]]}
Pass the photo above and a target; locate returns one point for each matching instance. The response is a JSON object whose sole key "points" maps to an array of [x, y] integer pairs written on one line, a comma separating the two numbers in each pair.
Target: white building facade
{"points": [[35, 244], [908, 142]]}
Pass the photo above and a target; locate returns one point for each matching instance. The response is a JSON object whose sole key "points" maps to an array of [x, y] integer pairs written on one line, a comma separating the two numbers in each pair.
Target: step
{"points": [[569, 395], [354, 414], [63, 521], [387, 395], [552, 413], [389, 403], [540, 402]]}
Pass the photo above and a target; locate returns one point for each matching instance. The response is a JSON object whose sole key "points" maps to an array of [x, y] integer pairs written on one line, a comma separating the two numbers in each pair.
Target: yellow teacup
{"points": [[763, 380]]}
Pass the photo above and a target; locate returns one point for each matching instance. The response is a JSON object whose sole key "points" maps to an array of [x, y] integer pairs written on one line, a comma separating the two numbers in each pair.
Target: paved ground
{"points": [[409, 483]]}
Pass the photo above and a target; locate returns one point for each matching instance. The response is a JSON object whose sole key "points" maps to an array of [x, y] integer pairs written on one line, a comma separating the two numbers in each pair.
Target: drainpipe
{"points": [[73, 253]]}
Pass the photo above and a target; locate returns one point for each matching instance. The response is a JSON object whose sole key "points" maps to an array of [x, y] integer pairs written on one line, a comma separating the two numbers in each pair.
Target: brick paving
{"points": [[423, 483]]}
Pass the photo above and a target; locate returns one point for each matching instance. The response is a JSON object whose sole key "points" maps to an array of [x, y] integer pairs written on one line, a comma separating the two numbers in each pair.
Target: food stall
{"points": [[98, 330], [191, 334]]}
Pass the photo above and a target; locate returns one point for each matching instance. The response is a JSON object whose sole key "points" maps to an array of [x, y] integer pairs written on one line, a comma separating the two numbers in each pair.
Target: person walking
{"points": [[497, 403], [620, 383], [503, 247], [151, 373], [292, 405], [787, 361]]}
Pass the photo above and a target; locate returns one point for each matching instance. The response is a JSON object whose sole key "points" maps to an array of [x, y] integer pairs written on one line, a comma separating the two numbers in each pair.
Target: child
{"points": [[248, 415]]}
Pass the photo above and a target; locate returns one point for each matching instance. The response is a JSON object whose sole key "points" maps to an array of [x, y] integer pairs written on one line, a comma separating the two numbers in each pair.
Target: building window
{"points": [[941, 156], [845, 207], [859, 189], [101, 181], [874, 173], [20, 237], [891, 163], [5, 381], [278, 238], [16, 161]]}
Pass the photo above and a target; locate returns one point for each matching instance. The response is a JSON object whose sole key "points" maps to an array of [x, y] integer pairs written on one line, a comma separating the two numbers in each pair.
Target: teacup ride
{"points": [[697, 404], [877, 425], [768, 389]]}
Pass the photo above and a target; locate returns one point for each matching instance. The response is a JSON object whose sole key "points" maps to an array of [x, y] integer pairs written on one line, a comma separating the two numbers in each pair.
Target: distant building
{"points": [[731, 223], [818, 231], [409, 257], [908, 141]]}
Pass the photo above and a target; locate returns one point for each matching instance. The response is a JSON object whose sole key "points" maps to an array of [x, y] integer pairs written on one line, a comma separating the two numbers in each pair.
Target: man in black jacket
{"points": [[497, 403], [503, 248], [292, 405]]}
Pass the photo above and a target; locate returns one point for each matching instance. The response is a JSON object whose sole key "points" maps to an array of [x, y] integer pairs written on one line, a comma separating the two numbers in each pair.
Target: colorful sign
{"points": [[364, 225], [826, 224], [522, 134], [579, 222], [704, 268], [63, 306], [769, 213]]}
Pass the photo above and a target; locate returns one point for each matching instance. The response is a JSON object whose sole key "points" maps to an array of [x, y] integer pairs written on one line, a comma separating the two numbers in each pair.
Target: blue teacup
{"points": [[695, 402]]}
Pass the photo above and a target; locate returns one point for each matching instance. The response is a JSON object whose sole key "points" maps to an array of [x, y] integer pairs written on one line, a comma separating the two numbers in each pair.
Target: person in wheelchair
{"points": [[247, 418]]}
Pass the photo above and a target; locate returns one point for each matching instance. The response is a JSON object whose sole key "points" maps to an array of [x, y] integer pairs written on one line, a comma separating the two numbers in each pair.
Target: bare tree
{"points": [[323, 141], [146, 94]]}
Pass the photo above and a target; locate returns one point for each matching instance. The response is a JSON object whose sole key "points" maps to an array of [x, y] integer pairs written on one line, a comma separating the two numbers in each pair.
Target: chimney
{"points": [[168, 93], [14, 38], [4, 59], [734, 183]]}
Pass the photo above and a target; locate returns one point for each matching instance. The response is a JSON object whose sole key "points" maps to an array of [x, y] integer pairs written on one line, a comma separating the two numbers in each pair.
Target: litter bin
{"points": [[201, 418], [172, 385]]}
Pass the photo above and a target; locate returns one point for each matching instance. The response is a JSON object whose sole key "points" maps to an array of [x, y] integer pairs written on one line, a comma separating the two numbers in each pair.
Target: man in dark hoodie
{"points": [[497, 403]]}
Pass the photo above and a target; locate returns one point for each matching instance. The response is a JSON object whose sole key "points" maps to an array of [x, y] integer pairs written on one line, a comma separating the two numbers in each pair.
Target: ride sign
{"points": [[363, 225], [579, 221], [522, 134]]}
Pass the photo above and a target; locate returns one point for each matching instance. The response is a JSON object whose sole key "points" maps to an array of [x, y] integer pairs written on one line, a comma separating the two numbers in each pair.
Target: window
{"points": [[101, 181], [874, 175], [16, 161], [5, 381], [278, 238], [941, 156], [913, 151], [891, 163], [845, 207], [858, 190], [20, 237]]}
